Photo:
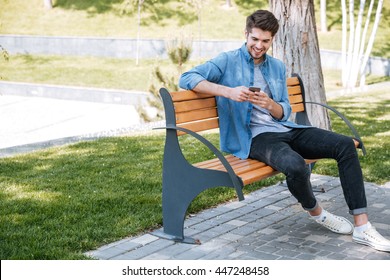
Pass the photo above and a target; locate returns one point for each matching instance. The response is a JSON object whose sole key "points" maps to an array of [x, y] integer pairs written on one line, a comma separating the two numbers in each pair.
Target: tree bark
{"points": [[296, 44]]}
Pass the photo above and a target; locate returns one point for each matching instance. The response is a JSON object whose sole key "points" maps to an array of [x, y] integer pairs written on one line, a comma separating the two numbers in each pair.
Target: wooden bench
{"points": [[188, 112]]}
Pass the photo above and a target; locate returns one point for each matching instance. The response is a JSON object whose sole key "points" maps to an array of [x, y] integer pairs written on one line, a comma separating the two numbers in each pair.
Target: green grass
{"points": [[104, 18], [108, 72], [82, 71], [370, 114], [60, 202]]}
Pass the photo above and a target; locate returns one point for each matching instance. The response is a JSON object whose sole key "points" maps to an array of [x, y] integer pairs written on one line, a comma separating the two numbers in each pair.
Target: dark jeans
{"points": [[286, 152]]}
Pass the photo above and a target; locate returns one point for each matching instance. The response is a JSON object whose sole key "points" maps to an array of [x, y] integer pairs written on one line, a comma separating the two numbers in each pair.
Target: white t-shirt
{"points": [[261, 120]]}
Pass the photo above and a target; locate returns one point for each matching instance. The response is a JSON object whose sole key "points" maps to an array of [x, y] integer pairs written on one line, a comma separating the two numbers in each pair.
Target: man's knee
{"points": [[298, 169], [346, 148]]}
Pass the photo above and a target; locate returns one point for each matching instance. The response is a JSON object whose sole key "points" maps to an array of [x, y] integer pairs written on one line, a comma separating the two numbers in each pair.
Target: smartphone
{"points": [[254, 89]]}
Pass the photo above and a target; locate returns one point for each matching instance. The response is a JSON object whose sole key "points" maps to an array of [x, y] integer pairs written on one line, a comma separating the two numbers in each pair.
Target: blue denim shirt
{"points": [[236, 68]]}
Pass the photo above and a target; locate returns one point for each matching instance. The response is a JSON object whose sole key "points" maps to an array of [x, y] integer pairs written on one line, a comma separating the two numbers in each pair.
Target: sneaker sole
{"points": [[375, 246]]}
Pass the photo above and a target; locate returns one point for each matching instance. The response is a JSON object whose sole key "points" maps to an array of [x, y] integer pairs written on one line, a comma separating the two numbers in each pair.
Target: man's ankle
{"points": [[363, 227], [316, 212], [361, 219]]}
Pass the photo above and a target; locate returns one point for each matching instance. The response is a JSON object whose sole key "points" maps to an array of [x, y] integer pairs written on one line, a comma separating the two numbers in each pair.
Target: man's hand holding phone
{"points": [[254, 89], [255, 95], [261, 99]]}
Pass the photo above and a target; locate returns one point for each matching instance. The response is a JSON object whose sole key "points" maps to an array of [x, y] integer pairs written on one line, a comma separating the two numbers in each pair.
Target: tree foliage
{"points": [[4, 56], [179, 52]]}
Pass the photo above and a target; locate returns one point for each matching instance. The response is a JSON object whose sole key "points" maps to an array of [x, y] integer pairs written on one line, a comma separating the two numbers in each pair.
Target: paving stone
{"points": [[267, 249], [231, 236], [145, 239], [190, 255], [308, 257], [141, 252], [237, 223], [107, 253]]}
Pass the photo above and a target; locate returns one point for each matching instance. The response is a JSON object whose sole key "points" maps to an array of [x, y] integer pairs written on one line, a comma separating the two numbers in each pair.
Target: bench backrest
{"points": [[198, 112]]}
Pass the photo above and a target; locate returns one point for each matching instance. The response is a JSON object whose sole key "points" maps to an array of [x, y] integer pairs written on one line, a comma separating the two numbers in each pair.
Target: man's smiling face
{"points": [[258, 42]]}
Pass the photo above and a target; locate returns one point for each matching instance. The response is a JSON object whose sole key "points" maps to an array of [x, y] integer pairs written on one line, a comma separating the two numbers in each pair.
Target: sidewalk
{"points": [[267, 225], [30, 123]]}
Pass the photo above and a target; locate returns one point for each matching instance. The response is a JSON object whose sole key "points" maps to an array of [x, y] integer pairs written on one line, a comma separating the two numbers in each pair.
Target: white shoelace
{"points": [[373, 235], [332, 221]]}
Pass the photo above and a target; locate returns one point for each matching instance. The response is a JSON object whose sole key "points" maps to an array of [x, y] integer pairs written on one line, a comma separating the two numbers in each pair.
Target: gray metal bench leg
{"points": [[178, 193], [182, 182]]}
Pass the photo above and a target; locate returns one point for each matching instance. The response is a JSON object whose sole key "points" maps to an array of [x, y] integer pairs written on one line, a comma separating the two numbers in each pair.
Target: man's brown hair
{"points": [[263, 19]]}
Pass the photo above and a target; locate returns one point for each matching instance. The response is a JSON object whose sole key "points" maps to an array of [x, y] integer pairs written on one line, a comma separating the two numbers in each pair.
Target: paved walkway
{"points": [[30, 123], [268, 225]]}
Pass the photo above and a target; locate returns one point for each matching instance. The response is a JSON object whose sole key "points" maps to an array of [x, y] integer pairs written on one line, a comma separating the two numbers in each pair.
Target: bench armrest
{"points": [[235, 179], [351, 127]]}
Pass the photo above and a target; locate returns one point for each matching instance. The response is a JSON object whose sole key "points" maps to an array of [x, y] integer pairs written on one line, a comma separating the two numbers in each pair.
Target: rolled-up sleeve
{"points": [[286, 111], [211, 71]]}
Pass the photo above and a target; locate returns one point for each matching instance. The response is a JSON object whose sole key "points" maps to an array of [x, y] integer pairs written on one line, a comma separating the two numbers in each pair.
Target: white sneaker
{"points": [[335, 223], [372, 238]]}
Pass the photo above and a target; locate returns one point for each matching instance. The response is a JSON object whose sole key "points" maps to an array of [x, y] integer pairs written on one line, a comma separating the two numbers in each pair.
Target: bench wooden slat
{"points": [[242, 164], [196, 115], [239, 166], [239, 170], [297, 107], [258, 174], [215, 162], [294, 90], [229, 158], [186, 95], [294, 99], [200, 125], [248, 170], [195, 104], [292, 81]]}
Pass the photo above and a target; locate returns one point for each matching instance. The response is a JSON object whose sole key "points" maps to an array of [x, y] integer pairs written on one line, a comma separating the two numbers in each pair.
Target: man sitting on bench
{"points": [[255, 124]]}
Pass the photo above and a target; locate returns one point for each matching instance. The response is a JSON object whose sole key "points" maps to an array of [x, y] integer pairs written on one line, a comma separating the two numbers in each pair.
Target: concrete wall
{"points": [[376, 65], [149, 48], [104, 47]]}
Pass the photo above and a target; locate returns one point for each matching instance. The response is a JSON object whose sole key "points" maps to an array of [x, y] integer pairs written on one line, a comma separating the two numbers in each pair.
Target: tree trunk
{"points": [[354, 62], [344, 75], [296, 44], [351, 39], [371, 41], [48, 4], [324, 26], [356, 59]]}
